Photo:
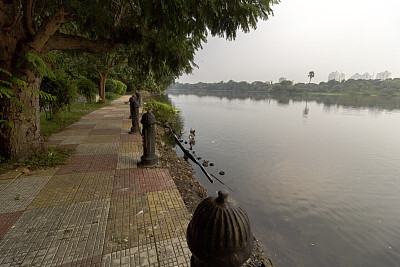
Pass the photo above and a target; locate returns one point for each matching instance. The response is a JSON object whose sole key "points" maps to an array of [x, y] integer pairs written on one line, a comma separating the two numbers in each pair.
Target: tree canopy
{"points": [[157, 37]]}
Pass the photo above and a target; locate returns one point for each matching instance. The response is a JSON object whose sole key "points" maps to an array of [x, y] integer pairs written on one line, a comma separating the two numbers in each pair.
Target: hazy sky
{"points": [[348, 36]]}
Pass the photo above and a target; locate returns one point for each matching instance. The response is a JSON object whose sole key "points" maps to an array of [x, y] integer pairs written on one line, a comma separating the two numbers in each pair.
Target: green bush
{"points": [[164, 113], [111, 86], [111, 96], [63, 88], [87, 88], [121, 87]]}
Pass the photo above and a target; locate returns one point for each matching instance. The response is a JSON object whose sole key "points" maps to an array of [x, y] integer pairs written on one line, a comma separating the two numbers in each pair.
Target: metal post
{"points": [[139, 98], [131, 105], [219, 233], [134, 105], [149, 157]]}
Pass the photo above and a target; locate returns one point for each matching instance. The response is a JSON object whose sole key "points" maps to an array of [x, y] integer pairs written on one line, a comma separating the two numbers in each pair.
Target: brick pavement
{"points": [[97, 210]]}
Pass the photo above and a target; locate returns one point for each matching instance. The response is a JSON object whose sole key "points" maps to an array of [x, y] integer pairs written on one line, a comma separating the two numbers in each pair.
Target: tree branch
{"points": [[47, 30], [28, 20], [62, 41]]}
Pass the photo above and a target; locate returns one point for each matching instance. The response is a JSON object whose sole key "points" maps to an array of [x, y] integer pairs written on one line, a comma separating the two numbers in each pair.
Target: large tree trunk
{"points": [[23, 138], [20, 137]]}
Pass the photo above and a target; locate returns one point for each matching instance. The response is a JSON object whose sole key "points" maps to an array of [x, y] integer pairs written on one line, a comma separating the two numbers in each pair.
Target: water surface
{"points": [[321, 189]]}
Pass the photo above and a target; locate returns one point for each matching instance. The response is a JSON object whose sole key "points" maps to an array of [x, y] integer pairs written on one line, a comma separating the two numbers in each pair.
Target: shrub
{"points": [[121, 87], [111, 96], [87, 88], [111, 86], [164, 113], [63, 88]]}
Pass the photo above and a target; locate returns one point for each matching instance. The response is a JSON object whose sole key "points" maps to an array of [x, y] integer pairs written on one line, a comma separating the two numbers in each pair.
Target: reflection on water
{"points": [[322, 188], [354, 101]]}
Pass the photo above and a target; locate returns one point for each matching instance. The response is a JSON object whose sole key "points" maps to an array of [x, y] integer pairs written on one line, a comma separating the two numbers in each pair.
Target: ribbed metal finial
{"points": [[222, 196], [219, 233]]}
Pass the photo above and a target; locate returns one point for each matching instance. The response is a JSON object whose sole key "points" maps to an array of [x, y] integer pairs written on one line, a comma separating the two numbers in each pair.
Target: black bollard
{"points": [[134, 115], [139, 98], [131, 105], [219, 233], [149, 157]]}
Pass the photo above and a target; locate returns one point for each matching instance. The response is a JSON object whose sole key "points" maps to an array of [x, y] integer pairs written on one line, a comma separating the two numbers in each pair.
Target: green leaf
{"points": [[40, 64]]}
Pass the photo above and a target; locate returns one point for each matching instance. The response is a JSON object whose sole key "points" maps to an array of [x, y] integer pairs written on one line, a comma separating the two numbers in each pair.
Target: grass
{"points": [[52, 157], [65, 118]]}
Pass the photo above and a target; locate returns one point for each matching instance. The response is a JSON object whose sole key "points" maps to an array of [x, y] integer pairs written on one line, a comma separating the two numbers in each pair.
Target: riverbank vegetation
{"points": [[390, 87]]}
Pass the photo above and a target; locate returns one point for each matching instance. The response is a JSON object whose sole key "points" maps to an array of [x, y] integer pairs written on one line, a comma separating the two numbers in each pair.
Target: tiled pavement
{"points": [[97, 210]]}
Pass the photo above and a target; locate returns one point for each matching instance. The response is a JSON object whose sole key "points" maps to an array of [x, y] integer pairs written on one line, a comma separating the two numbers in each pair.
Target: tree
{"points": [[311, 75], [162, 36]]}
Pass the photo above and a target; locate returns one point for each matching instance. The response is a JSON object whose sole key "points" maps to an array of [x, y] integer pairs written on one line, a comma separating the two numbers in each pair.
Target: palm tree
{"points": [[311, 75]]}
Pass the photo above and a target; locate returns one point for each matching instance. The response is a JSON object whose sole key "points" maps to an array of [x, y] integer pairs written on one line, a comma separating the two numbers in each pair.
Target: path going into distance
{"points": [[97, 210]]}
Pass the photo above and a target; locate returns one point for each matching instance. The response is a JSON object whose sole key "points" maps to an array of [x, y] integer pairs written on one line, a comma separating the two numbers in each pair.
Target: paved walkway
{"points": [[97, 210]]}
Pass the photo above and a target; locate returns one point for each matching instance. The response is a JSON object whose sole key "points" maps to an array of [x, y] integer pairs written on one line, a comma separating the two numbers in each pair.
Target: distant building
{"points": [[365, 76], [336, 76], [383, 75], [281, 79]]}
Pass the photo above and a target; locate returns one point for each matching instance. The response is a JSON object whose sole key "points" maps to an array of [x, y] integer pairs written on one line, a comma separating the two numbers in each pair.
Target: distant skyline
{"points": [[348, 36]]}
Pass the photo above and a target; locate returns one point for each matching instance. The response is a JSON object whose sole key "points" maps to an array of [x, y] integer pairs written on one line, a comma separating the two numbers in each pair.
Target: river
{"points": [[320, 189]]}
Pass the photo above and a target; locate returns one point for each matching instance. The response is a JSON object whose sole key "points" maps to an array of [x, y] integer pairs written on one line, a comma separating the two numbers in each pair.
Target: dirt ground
{"points": [[192, 191]]}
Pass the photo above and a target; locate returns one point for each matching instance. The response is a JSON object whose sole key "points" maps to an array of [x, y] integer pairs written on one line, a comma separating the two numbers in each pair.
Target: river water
{"points": [[321, 189]]}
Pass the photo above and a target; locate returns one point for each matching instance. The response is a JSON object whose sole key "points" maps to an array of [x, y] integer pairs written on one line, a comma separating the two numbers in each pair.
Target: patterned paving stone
{"points": [[108, 126], [105, 131], [73, 140], [116, 123], [173, 252], [129, 223], [103, 162], [56, 235], [86, 149], [89, 163], [77, 126], [117, 116], [74, 132], [168, 214], [93, 116], [130, 147], [130, 181], [60, 190], [126, 125], [97, 210], [7, 220], [145, 255], [101, 139], [19, 193], [4, 183], [95, 185], [70, 168], [85, 121], [93, 148], [137, 138], [92, 261], [128, 160]]}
